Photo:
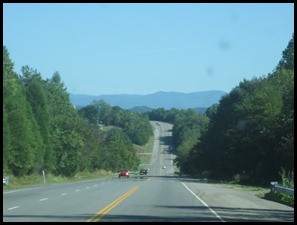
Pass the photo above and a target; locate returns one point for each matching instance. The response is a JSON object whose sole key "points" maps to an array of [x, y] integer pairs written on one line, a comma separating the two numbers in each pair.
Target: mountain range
{"points": [[161, 99]]}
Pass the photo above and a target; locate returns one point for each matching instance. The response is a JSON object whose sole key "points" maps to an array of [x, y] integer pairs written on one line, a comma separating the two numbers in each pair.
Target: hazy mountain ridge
{"points": [[166, 100]]}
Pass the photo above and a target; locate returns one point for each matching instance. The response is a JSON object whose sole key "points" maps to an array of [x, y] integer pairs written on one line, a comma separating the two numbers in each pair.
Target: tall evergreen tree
{"points": [[24, 137], [36, 96]]}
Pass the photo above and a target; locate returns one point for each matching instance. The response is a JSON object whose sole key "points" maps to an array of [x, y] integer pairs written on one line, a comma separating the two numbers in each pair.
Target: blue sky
{"points": [[129, 48]]}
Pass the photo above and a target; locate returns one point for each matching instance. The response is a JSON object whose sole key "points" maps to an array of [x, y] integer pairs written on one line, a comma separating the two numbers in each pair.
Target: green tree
{"points": [[287, 60], [137, 128], [22, 150], [36, 96], [211, 110], [103, 110], [118, 151], [66, 140], [6, 140], [186, 133], [90, 112]]}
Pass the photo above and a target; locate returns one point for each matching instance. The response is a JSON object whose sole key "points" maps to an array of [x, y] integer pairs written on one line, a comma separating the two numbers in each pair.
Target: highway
{"points": [[159, 196]]}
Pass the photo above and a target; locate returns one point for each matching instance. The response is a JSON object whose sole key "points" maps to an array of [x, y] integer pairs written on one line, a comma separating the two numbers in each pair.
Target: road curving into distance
{"points": [[159, 196]]}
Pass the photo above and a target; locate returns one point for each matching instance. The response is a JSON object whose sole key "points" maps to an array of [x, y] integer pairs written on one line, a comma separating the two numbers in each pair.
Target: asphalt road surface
{"points": [[157, 197]]}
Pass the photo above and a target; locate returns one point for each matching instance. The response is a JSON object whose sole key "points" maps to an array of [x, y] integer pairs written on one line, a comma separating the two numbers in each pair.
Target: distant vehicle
{"points": [[143, 172], [164, 167], [123, 173]]}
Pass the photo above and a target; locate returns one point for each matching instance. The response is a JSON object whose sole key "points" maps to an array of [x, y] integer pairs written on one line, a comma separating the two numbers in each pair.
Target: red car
{"points": [[123, 173]]}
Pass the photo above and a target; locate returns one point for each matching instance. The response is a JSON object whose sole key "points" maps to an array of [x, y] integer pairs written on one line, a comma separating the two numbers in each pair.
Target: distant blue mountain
{"points": [[166, 100]]}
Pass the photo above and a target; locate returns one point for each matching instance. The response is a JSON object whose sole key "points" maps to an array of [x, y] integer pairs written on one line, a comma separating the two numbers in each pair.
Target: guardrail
{"points": [[275, 187]]}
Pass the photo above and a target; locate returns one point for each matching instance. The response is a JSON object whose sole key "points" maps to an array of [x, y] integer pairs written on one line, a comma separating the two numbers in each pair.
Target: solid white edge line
{"points": [[220, 218], [15, 207]]}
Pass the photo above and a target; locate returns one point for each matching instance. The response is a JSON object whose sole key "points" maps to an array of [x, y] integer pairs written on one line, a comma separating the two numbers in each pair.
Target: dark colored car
{"points": [[143, 172], [123, 173]]}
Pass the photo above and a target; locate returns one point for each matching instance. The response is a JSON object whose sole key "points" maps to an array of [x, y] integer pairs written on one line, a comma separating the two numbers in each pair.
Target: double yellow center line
{"points": [[112, 205]]}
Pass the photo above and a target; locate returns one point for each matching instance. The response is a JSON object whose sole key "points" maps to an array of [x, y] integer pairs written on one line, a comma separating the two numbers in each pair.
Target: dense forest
{"points": [[42, 130], [250, 135]]}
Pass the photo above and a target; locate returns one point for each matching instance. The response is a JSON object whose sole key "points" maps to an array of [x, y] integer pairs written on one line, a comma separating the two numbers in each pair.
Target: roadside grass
{"points": [[265, 193], [38, 180], [260, 191], [144, 152], [280, 198]]}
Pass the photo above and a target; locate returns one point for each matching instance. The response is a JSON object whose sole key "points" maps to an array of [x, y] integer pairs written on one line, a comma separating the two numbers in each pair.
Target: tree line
{"points": [[42, 130], [135, 125], [187, 128], [249, 137]]}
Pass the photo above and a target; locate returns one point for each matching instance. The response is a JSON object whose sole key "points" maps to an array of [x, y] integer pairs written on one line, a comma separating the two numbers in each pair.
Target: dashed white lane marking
{"points": [[220, 218], [43, 199]]}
